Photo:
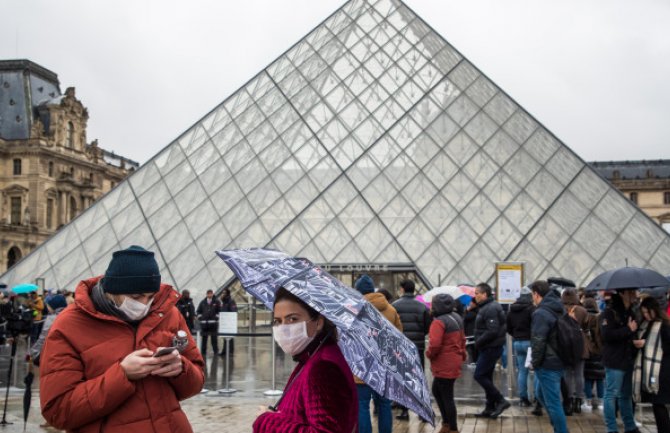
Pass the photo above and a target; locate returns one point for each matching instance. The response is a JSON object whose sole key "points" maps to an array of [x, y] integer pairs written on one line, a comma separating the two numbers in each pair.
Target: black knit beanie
{"points": [[133, 270]]}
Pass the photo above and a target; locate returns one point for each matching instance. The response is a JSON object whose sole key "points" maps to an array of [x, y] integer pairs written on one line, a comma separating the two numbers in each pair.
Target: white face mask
{"points": [[293, 338], [134, 310]]}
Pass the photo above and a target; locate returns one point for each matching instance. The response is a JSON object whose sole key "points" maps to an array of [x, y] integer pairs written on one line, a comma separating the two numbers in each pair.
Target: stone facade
{"points": [[645, 183], [49, 173]]}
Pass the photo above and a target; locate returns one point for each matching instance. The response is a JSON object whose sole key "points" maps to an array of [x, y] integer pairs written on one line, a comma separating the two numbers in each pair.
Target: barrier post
{"points": [[273, 391], [227, 389]]}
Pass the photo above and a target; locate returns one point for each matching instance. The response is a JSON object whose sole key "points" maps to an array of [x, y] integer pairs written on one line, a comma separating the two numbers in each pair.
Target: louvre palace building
{"points": [[371, 145], [49, 173]]}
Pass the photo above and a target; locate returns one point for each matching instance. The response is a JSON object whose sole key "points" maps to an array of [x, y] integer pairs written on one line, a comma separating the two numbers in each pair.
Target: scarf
{"points": [[105, 305], [648, 360]]}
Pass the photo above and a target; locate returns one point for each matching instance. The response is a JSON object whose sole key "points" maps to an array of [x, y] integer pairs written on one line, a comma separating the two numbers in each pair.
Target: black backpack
{"points": [[569, 340]]}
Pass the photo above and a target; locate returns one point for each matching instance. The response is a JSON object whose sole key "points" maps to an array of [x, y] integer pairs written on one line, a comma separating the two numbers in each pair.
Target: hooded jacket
{"points": [[382, 305], [572, 305], [82, 385], [543, 339], [518, 317], [446, 339], [490, 325]]}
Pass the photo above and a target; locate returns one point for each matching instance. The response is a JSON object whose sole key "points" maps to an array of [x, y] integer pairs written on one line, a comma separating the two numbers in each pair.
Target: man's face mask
{"points": [[134, 310], [292, 338]]}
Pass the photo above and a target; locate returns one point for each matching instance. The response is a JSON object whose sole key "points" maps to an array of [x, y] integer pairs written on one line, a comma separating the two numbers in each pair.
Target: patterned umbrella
{"points": [[374, 349]]}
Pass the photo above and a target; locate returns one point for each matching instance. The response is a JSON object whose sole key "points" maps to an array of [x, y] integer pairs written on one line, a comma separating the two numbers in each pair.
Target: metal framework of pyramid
{"points": [[371, 140]]}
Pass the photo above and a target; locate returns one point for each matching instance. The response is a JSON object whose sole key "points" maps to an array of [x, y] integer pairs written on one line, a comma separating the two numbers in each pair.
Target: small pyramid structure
{"points": [[371, 140]]}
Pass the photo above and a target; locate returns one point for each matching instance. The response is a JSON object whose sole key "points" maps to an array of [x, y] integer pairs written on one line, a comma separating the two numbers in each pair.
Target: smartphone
{"points": [[164, 351]]}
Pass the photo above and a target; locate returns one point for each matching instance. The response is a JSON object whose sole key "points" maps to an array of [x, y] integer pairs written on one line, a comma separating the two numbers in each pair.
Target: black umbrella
{"points": [[560, 281], [27, 395], [628, 278]]}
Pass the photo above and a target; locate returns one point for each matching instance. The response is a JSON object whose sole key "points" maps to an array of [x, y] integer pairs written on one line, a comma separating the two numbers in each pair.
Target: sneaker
{"points": [[594, 404], [501, 406], [538, 410], [524, 402]]}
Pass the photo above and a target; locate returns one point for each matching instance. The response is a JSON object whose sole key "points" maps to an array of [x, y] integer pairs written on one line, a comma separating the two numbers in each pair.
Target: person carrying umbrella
{"points": [[366, 287], [320, 394], [100, 370]]}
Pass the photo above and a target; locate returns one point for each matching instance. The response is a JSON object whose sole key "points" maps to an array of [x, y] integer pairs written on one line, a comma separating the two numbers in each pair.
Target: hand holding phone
{"points": [[164, 351]]}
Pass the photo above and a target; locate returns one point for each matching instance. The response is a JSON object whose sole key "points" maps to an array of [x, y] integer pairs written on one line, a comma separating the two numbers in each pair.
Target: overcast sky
{"points": [[594, 72]]}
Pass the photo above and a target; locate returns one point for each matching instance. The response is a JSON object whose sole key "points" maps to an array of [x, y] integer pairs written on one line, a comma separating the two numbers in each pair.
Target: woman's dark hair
{"points": [[328, 328], [651, 304]]}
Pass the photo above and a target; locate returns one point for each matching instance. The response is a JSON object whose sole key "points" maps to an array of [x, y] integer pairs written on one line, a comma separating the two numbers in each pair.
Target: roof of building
{"points": [[659, 168], [27, 65]]}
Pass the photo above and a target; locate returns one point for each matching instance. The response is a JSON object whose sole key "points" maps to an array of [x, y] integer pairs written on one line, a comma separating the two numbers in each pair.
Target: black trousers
{"points": [[213, 335], [662, 418], [443, 390], [486, 364]]}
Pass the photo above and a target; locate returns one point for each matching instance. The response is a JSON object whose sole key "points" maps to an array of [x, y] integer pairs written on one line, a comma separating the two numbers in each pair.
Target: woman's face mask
{"points": [[134, 310], [292, 338]]}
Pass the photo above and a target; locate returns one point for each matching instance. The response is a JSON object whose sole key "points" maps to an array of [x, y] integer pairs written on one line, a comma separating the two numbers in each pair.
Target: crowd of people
{"points": [[605, 350]]}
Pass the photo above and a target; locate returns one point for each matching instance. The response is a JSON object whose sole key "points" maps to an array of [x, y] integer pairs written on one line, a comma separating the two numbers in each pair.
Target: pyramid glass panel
{"points": [[371, 141]]}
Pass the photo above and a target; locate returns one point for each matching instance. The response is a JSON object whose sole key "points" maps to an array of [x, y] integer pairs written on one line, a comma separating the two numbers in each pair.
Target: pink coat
{"points": [[322, 398]]}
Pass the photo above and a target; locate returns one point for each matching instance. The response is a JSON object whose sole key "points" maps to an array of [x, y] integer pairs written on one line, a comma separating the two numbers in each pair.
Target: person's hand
{"points": [[170, 365], [639, 344], [632, 324], [139, 364]]}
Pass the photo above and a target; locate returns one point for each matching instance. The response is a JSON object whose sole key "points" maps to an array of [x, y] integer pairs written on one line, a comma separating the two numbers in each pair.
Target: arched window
{"points": [[73, 208], [69, 135], [51, 169], [13, 256]]}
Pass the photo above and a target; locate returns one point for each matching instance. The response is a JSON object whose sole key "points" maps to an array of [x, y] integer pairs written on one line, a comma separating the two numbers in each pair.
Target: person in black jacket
{"points": [[187, 309], [518, 326], [544, 356], [228, 305], [208, 315], [415, 319], [618, 330], [490, 330]]}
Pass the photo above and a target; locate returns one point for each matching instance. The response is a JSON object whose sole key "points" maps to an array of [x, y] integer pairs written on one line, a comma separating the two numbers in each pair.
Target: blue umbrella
{"points": [[24, 288], [375, 350], [628, 278]]}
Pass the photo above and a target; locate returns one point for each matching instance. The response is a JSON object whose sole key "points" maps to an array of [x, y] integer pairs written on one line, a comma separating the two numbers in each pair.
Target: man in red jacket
{"points": [[98, 372]]}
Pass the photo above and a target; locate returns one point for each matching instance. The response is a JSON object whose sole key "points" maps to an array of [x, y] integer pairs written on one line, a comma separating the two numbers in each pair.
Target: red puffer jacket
{"points": [[82, 385], [446, 347]]}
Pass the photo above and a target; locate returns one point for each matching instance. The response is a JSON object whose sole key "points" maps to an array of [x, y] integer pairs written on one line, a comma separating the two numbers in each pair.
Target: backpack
{"points": [[569, 339]]}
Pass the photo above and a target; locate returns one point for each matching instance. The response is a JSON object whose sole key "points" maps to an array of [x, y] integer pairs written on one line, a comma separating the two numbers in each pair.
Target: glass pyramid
{"points": [[371, 140]]}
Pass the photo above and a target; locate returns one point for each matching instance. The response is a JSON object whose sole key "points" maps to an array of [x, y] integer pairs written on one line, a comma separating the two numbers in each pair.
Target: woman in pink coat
{"points": [[320, 396]]}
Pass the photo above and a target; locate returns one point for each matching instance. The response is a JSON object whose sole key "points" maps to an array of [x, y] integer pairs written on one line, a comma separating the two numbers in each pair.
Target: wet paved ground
{"points": [[251, 375]]}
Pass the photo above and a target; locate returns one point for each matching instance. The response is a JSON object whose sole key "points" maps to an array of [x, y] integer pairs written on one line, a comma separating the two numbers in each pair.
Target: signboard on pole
{"points": [[228, 323], [509, 281]]}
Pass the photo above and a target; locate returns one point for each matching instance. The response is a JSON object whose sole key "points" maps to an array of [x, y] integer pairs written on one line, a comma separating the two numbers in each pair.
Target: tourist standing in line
{"points": [[490, 332], [546, 363], [574, 375], [518, 326], [228, 305], [594, 371], [446, 352], [187, 309], [415, 319], [208, 315]]}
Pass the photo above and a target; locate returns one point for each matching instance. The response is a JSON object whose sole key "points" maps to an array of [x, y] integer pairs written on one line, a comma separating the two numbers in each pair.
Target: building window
{"points": [[13, 256], [17, 167], [69, 137], [72, 172], [15, 217], [666, 197], [50, 213], [73, 208], [90, 177], [633, 197], [616, 174], [51, 169]]}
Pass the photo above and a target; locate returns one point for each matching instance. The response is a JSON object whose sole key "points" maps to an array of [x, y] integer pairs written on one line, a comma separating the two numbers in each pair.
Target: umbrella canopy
{"points": [[628, 278], [375, 350], [24, 288], [456, 292]]}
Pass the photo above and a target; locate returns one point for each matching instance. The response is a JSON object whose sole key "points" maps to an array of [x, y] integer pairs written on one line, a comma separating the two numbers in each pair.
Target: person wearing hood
{"points": [[594, 370], [546, 363], [574, 375], [518, 326], [100, 370], [366, 288], [446, 352]]}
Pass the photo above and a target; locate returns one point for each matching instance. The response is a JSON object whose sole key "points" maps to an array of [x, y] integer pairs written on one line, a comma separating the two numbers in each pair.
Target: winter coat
{"points": [[415, 319], [518, 317], [82, 385], [490, 325], [187, 309], [618, 351], [572, 305], [322, 398], [593, 365], [228, 305], [208, 314], [663, 395], [446, 341], [382, 305], [36, 348], [37, 305], [543, 340]]}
